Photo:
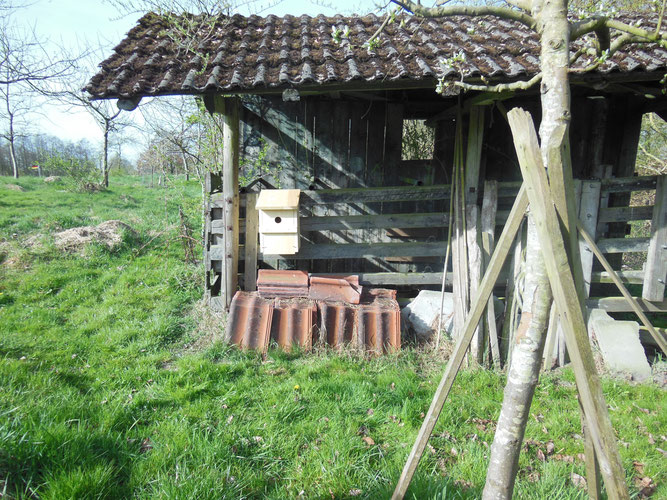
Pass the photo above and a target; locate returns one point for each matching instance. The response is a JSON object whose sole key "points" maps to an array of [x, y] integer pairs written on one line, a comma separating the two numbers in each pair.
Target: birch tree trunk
{"points": [[553, 28]]}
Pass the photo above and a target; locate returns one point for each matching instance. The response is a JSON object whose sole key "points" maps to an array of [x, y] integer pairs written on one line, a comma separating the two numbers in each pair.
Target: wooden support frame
{"points": [[472, 320], [567, 299]]}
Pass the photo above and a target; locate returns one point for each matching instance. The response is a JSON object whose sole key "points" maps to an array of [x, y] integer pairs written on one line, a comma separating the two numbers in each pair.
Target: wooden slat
{"points": [[437, 192], [390, 221], [629, 277], [375, 279], [622, 245], [625, 214], [656, 261], [627, 184], [321, 251]]}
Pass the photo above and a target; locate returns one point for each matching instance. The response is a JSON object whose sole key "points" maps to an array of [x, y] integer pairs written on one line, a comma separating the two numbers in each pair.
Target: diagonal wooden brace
{"points": [[566, 297], [484, 291]]}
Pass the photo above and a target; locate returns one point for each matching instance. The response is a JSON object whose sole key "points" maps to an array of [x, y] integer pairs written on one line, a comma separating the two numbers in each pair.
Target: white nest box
{"points": [[278, 221]]}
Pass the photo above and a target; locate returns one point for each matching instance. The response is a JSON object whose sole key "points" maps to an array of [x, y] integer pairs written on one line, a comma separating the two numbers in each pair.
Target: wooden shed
{"points": [[328, 114]]}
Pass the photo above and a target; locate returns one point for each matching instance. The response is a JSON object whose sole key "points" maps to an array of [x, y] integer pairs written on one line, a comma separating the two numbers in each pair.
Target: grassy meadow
{"points": [[114, 384]]}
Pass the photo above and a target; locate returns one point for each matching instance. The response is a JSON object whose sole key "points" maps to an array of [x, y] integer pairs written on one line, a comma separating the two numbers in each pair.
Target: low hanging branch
{"points": [[468, 10]]}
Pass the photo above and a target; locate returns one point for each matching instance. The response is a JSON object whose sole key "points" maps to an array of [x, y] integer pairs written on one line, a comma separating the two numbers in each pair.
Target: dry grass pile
{"points": [[14, 187], [52, 178], [108, 233]]}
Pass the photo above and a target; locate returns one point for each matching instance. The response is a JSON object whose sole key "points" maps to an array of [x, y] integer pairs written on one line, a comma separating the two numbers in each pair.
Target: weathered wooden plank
{"points": [[320, 251], [567, 301], [230, 191], [250, 247], [625, 214], [622, 245], [389, 221], [472, 225], [628, 184], [629, 277], [460, 287], [588, 211], [479, 305], [656, 260], [489, 206]]}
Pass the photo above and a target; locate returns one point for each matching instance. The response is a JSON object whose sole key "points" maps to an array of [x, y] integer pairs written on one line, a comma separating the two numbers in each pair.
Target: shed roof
{"points": [[257, 54]]}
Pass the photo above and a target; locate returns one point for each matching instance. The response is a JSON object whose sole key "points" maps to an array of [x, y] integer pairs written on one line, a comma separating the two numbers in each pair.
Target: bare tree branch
{"points": [[467, 10]]}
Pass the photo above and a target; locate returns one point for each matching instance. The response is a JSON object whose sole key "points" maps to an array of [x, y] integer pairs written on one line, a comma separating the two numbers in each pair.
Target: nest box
{"points": [[278, 211]]}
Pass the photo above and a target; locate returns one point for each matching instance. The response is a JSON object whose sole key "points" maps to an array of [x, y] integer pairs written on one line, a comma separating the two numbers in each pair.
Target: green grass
{"points": [[103, 396]]}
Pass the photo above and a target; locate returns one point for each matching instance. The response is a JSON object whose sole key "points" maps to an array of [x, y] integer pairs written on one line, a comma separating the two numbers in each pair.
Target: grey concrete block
{"points": [[619, 345]]}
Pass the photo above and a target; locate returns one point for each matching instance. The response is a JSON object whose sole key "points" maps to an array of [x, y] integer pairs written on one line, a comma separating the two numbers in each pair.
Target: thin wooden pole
{"points": [[624, 291], [230, 191], [479, 305], [488, 219], [560, 272]]}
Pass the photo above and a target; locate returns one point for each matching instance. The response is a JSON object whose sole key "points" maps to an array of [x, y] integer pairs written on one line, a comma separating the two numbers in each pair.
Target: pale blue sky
{"points": [[89, 23]]}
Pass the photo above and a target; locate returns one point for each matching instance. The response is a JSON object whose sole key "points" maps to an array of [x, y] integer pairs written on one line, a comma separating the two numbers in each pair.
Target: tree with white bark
{"points": [[549, 19]]}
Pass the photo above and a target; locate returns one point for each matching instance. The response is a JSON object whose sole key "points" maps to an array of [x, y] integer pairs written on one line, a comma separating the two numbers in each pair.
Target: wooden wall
{"points": [[321, 143], [324, 143]]}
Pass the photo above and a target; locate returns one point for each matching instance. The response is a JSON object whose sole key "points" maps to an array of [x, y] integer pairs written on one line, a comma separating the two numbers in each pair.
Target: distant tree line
{"points": [[45, 155]]}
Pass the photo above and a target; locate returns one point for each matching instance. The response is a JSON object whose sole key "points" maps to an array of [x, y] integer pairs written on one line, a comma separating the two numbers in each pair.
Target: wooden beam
{"points": [[622, 245], [250, 247], [472, 225], [230, 192], [478, 306], [624, 214], [567, 302], [488, 219], [656, 260], [588, 218]]}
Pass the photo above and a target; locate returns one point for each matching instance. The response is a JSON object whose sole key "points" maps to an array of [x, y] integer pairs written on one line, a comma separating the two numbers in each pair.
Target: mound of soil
{"points": [[108, 233], [14, 187], [52, 178]]}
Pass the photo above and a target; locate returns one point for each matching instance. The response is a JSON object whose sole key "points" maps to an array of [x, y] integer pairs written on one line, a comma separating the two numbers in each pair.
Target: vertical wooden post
{"points": [[656, 261], [230, 191], [588, 216], [472, 229], [459, 248], [489, 208], [251, 223]]}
